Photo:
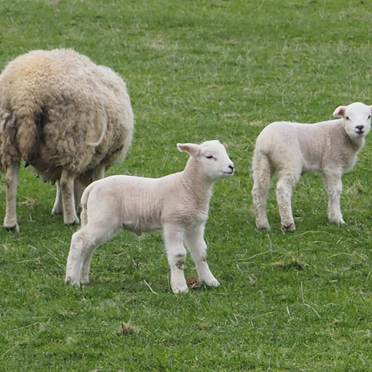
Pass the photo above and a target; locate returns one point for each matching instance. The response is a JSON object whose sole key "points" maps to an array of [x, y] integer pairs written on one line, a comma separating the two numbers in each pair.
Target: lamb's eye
{"points": [[210, 157], [347, 118], [369, 116]]}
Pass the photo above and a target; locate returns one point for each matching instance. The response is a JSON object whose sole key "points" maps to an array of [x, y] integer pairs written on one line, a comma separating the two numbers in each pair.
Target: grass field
{"points": [[199, 70]]}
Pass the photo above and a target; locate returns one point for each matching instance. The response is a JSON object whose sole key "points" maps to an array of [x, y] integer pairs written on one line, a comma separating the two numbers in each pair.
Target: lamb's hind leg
{"points": [[11, 179], [176, 252], [68, 201], [83, 244], [262, 173], [198, 248], [284, 189]]}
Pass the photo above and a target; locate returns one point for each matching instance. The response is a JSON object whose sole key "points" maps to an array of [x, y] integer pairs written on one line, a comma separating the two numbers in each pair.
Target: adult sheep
{"points": [[65, 116]]}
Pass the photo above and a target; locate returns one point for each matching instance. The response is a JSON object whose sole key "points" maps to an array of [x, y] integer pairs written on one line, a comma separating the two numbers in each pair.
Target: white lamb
{"points": [[178, 204], [290, 149]]}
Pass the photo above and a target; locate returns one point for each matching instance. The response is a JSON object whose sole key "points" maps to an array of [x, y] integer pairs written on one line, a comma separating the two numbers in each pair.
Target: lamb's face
{"points": [[356, 118], [212, 158]]}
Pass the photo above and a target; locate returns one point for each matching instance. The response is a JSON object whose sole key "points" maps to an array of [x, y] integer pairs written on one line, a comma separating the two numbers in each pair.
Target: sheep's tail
{"points": [[83, 203], [27, 136], [102, 135]]}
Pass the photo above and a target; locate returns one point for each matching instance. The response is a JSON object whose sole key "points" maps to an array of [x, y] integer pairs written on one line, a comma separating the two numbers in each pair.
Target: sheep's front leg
{"points": [[11, 179], [198, 248], [176, 252], [284, 190], [57, 206], [68, 201], [333, 183], [78, 191]]}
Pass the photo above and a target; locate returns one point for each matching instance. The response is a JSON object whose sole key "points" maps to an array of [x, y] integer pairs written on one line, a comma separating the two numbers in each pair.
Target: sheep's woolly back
{"points": [[53, 104]]}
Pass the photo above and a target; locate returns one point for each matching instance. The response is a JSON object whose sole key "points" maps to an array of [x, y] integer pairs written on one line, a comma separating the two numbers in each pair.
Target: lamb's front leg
{"points": [[176, 252], [11, 179], [198, 248], [333, 183]]}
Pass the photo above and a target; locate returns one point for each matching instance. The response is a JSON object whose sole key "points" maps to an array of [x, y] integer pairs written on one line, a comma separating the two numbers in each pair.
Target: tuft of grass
{"points": [[127, 329]]}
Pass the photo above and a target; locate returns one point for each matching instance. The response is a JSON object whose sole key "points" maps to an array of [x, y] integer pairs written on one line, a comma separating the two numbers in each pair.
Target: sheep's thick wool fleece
{"points": [[53, 103]]}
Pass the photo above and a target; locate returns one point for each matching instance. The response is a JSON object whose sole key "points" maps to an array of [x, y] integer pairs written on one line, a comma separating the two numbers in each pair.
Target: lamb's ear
{"points": [[339, 112], [191, 148]]}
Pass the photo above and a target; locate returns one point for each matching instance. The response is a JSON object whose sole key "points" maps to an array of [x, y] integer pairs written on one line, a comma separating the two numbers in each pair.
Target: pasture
{"points": [[199, 70]]}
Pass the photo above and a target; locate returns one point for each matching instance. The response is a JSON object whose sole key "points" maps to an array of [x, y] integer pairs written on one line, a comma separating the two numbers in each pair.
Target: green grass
{"points": [[199, 70]]}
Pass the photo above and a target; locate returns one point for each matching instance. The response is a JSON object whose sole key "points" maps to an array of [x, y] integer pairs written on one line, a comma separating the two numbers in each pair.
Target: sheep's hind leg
{"points": [[262, 173], [11, 179], [57, 206], [333, 183], [176, 252], [198, 248], [68, 201], [284, 190]]}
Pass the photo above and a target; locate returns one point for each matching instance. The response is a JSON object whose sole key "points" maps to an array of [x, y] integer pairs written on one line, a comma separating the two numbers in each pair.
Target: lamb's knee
{"points": [[79, 243], [285, 185], [334, 191], [178, 260], [282, 190]]}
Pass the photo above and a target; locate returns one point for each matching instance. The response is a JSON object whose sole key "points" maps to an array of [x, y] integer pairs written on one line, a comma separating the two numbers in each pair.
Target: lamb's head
{"points": [[210, 157], [356, 119]]}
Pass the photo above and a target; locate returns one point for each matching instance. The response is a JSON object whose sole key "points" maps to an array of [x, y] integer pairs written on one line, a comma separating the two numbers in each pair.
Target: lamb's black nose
{"points": [[231, 167], [359, 127]]}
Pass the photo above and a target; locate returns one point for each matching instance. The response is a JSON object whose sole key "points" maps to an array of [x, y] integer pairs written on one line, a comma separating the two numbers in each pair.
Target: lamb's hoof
{"points": [[180, 290], [263, 227], [289, 228], [84, 281], [337, 221], [212, 282], [74, 282], [12, 228]]}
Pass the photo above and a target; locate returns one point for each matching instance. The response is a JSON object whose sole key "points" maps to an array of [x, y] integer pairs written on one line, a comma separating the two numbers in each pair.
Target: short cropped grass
{"points": [[199, 70]]}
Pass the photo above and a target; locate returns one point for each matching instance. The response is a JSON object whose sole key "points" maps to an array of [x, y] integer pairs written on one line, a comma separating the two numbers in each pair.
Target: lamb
{"points": [[67, 117], [290, 149], [178, 204]]}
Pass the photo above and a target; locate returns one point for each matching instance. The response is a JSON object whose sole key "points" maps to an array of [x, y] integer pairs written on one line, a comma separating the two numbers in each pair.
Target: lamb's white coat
{"points": [[178, 204], [290, 149]]}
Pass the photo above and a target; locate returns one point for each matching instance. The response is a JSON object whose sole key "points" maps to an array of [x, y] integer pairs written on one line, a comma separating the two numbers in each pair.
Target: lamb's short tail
{"points": [[261, 169], [84, 202]]}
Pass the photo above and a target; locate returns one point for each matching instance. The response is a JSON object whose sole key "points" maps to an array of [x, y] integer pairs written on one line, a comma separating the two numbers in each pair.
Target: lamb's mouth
{"points": [[359, 132], [229, 173]]}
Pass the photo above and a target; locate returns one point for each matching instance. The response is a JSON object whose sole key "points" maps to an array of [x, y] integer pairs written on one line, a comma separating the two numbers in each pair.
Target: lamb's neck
{"points": [[355, 143], [197, 184]]}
